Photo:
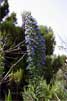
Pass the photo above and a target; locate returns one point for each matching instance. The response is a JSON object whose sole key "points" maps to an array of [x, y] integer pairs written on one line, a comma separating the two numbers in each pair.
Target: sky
{"points": [[47, 12]]}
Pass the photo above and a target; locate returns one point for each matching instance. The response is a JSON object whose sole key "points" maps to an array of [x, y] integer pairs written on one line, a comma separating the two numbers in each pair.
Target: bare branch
{"points": [[12, 50], [17, 45]]}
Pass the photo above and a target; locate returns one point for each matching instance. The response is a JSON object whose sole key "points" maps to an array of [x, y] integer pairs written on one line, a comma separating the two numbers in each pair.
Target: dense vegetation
{"points": [[28, 69]]}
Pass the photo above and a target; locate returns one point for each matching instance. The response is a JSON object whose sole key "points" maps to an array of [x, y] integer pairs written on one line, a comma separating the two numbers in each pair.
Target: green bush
{"points": [[43, 92], [52, 66]]}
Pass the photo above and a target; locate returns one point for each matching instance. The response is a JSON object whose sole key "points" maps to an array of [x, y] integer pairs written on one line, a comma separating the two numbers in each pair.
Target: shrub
{"points": [[40, 91]]}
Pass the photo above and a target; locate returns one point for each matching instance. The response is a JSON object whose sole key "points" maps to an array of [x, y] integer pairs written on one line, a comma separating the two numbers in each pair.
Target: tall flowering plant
{"points": [[35, 42]]}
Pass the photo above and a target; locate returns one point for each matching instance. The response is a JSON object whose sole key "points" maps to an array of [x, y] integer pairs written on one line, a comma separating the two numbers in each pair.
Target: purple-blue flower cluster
{"points": [[35, 42]]}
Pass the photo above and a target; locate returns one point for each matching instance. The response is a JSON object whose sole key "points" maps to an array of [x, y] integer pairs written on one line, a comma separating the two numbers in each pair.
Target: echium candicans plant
{"points": [[35, 42]]}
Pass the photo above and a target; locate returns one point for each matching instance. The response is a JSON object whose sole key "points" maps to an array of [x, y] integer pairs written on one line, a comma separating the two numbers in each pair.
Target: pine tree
{"points": [[11, 38], [4, 9]]}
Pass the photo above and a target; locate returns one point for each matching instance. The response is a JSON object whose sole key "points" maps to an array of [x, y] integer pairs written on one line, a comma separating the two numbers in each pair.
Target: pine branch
{"points": [[17, 45], [13, 50], [11, 57]]}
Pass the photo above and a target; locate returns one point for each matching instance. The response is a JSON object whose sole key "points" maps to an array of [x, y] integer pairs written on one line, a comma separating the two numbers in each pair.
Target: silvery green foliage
{"points": [[34, 41]]}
